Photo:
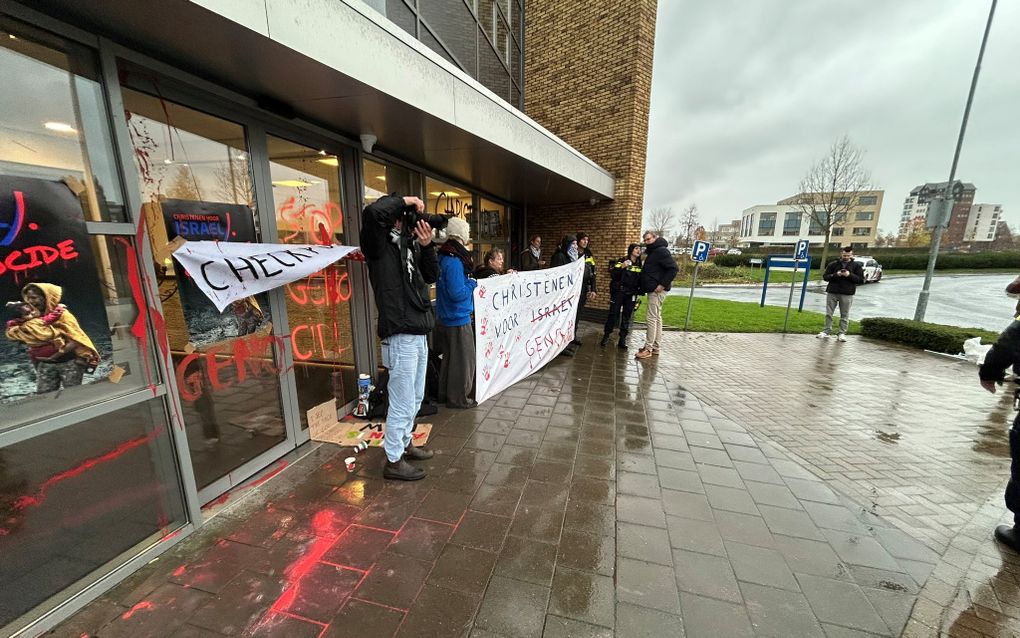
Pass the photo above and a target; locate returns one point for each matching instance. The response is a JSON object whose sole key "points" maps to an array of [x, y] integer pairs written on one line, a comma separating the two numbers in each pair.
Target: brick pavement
{"points": [[604, 496]]}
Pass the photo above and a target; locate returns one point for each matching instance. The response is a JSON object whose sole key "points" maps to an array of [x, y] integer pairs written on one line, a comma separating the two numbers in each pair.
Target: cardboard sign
{"points": [[350, 433], [522, 321], [228, 272], [322, 416]]}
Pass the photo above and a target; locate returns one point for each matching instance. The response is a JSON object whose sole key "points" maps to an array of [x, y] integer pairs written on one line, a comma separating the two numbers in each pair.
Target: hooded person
{"points": [[59, 349], [624, 288], [454, 335], [566, 252]]}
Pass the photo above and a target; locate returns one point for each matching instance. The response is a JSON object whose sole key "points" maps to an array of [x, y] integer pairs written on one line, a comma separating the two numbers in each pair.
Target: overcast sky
{"points": [[746, 94]]}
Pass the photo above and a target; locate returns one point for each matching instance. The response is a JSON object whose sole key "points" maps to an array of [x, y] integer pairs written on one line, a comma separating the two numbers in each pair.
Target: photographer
{"points": [[396, 239], [843, 275], [1006, 353]]}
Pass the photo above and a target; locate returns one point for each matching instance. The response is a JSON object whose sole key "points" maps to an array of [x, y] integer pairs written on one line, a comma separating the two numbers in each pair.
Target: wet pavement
{"points": [[969, 301], [736, 485]]}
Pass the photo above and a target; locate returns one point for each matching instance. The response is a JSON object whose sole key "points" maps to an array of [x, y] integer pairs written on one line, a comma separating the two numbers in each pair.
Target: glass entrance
{"points": [[195, 177]]}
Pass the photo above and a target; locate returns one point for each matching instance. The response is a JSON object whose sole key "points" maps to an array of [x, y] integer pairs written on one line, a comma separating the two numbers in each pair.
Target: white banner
{"points": [[227, 272], [522, 321]]}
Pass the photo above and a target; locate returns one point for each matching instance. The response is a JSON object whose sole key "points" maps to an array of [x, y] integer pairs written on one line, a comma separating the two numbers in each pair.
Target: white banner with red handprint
{"points": [[522, 321]]}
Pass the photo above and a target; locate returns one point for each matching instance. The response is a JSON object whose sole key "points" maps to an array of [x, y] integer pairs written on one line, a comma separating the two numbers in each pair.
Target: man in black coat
{"points": [[401, 263], [843, 275], [1006, 353], [657, 274]]}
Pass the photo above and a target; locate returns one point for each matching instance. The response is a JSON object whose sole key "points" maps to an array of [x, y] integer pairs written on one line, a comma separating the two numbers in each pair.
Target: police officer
{"points": [[1005, 353], [624, 287], [588, 290]]}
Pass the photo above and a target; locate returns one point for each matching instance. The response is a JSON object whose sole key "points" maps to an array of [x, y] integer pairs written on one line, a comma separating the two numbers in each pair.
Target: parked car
{"points": [[872, 269], [734, 251]]}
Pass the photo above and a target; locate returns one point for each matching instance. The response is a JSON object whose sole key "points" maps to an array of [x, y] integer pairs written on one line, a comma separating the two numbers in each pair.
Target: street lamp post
{"points": [[936, 238]]}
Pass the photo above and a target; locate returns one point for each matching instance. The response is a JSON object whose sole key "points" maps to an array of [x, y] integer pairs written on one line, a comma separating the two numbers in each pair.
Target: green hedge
{"points": [[902, 261], [920, 334]]}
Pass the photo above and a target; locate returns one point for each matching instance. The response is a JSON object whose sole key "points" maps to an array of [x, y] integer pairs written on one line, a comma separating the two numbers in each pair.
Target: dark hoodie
{"points": [[659, 268], [561, 257]]}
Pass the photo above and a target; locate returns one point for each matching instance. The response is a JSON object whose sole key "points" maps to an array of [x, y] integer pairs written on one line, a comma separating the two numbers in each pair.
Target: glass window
{"points": [[487, 17], [74, 499], [492, 230], [54, 121], [491, 72], [307, 196], [864, 216], [791, 224], [454, 26], [432, 43], [766, 223], [861, 231], [837, 231], [195, 176], [814, 228], [401, 15], [867, 200]]}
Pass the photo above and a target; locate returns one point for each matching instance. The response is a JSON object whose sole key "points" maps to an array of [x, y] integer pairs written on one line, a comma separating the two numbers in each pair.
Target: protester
{"points": [[1013, 290], [624, 288], [492, 264], [531, 258], [1006, 353], [588, 291], [657, 274], [401, 262], [843, 275], [455, 339], [565, 254]]}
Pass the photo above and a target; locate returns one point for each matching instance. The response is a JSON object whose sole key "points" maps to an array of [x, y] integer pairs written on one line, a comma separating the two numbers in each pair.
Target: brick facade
{"points": [[588, 79]]}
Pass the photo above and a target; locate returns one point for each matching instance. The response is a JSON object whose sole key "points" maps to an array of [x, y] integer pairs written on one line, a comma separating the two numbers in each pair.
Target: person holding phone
{"points": [[843, 275]]}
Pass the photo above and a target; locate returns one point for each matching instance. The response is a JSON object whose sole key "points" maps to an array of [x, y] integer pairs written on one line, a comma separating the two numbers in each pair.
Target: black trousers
{"points": [[621, 308], [1013, 487], [581, 303]]}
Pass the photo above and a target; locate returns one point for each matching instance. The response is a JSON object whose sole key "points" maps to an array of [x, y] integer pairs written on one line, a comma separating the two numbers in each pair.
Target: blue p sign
{"points": [[699, 252], [802, 248]]}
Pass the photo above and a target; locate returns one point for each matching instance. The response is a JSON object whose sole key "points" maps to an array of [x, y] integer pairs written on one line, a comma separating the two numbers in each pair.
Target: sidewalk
{"points": [[737, 485]]}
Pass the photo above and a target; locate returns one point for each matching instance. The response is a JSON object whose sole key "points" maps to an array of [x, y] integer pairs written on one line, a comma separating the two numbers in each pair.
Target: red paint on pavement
{"points": [[179, 571], [139, 607]]}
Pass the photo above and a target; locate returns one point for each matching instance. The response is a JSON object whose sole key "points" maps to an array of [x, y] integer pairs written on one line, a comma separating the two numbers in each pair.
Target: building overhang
{"points": [[341, 65]]}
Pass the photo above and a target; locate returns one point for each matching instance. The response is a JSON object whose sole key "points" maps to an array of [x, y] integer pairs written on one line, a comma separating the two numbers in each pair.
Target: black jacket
{"points": [[401, 297], [588, 283], [843, 285], [659, 268], [624, 280], [561, 257], [529, 261], [484, 272], [1005, 353]]}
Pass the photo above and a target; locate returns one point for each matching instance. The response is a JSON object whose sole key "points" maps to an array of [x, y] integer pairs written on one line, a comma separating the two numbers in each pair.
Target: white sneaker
{"points": [[841, 337], [822, 335]]}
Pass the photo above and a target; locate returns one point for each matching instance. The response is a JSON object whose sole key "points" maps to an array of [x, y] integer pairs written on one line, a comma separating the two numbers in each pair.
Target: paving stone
{"points": [[733, 500], [684, 480], [811, 557], [761, 566], [558, 627], [841, 603], [481, 531], [646, 585], [649, 544], [743, 528], [463, 569], [835, 517], [359, 547], [769, 494], [778, 614], [421, 539], [695, 535], [513, 608], [443, 506], [587, 552], [637, 484], [527, 560], [636, 463], [439, 612], [640, 510], [583, 596], [358, 618], [860, 550], [790, 522], [592, 518], [393, 581], [710, 618], [639, 622], [687, 504], [706, 575]]}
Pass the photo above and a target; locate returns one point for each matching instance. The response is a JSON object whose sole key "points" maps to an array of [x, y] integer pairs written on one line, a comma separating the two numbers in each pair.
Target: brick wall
{"points": [[588, 79]]}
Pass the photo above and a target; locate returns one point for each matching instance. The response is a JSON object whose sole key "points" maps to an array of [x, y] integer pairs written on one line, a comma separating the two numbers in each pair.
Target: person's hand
{"points": [[510, 271], [626, 262], [416, 202], [423, 231], [591, 294], [541, 262], [988, 385], [659, 288]]}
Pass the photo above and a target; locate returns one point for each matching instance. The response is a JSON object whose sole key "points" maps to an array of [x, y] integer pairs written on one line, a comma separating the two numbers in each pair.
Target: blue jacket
{"points": [[454, 293]]}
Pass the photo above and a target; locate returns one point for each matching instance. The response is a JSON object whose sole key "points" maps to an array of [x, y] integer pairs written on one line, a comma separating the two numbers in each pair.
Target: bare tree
{"points": [[689, 223], [661, 220], [832, 188], [183, 185], [233, 183]]}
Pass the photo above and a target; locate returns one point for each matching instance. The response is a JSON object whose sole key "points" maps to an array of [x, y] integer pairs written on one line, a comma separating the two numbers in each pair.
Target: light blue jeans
{"points": [[406, 358]]}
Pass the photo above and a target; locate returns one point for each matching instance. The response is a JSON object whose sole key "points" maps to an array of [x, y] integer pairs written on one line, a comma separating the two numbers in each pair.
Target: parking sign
{"points": [[802, 248], [699, 252]]}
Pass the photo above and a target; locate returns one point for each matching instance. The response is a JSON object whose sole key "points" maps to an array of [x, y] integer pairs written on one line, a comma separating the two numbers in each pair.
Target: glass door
{"points": [[307, 196], [195, 175]]}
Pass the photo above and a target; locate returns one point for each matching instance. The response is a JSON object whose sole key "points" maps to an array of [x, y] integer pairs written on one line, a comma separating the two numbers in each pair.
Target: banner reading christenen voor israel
{"points": [[229, 272], [522, 321]]}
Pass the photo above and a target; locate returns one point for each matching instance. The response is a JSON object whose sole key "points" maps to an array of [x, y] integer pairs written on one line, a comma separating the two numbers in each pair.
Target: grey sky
{"points": [[747, 93]]}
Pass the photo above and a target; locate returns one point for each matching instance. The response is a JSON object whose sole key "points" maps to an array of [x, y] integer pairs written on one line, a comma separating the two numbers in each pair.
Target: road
{"points": [[957, 300]]}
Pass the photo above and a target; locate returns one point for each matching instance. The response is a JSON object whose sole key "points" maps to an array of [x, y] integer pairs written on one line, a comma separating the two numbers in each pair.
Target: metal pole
{"points": [[690, 300], [936, 240], [789, 302]]}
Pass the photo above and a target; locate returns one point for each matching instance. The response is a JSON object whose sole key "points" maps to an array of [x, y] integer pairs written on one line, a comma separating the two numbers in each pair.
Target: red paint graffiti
{"points": [[35, 256], [137, 608], [249, 355]]}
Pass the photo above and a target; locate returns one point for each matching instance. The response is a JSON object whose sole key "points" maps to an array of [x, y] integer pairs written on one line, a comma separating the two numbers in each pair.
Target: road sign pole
{"points": [[690, 300], [793, 282]]}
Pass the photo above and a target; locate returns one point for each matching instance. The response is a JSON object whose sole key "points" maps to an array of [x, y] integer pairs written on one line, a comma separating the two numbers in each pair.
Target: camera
{"points": [[410, 217]]}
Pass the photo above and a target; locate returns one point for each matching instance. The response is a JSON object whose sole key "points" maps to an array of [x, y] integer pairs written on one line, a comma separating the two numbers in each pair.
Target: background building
{"points": [[916, 204], [271, 121], [782, 224], [982, 223]]}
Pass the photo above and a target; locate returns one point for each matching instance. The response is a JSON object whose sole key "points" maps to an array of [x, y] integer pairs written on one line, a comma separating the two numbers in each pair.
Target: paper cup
{"points": [[349, 461]]}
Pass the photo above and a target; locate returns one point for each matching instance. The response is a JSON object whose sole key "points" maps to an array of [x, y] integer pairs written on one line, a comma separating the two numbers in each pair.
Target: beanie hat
{"points": [[458, 227]]}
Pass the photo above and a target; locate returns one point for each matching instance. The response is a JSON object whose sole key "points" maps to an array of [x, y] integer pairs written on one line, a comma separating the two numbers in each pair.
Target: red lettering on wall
{"points": [[251, 355], [35, 256]]}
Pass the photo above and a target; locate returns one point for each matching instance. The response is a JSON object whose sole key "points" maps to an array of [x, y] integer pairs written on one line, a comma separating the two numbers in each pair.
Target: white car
{"points": [[872, 269], [734, 251]]}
